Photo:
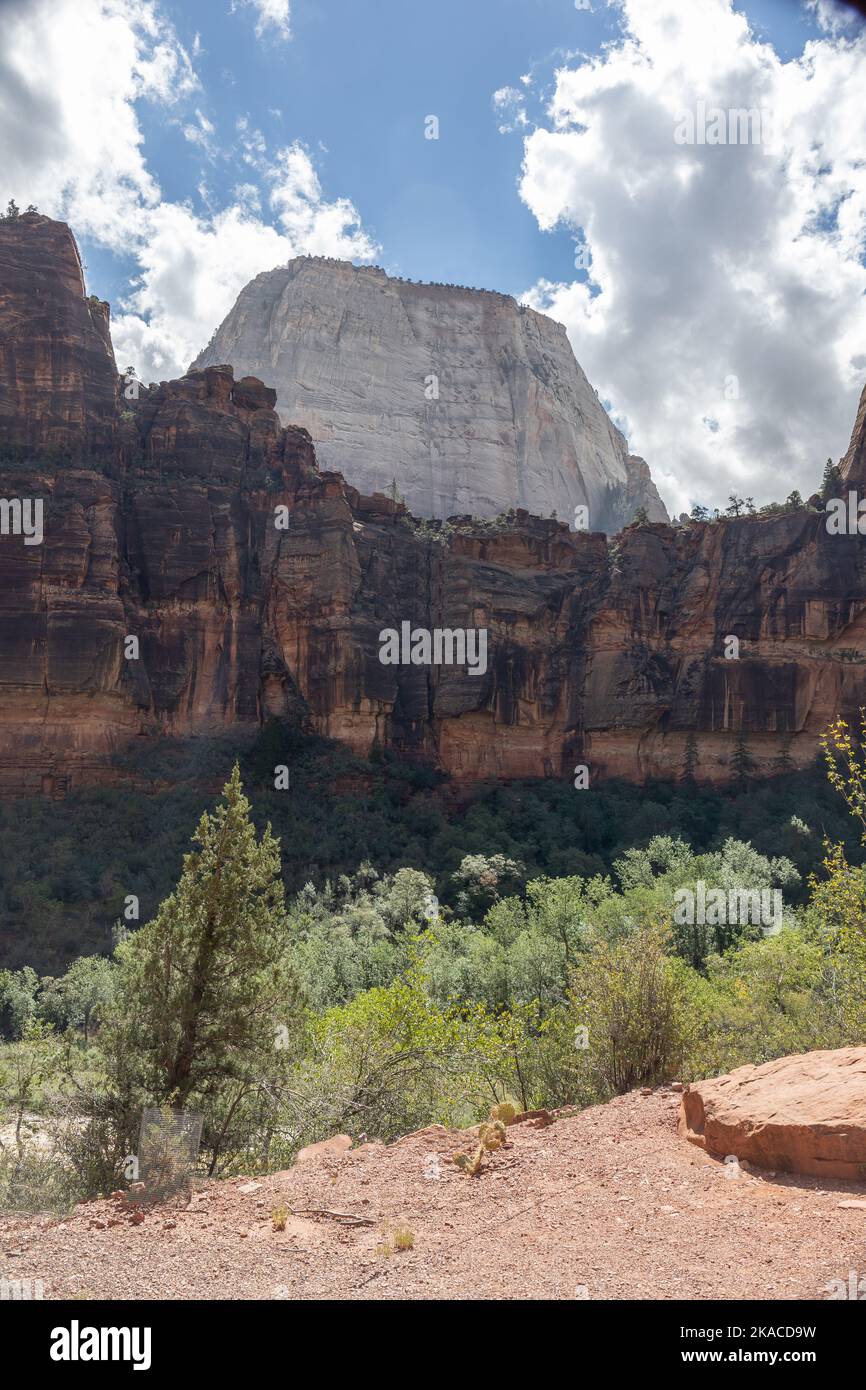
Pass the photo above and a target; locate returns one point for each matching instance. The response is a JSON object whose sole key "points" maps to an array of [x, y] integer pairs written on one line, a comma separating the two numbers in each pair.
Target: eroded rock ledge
{"points": [[160, 524], [801, 1114]]}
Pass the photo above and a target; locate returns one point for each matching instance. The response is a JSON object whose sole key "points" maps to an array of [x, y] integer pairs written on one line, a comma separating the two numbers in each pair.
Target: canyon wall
{"points": [[160, 524], [468, 401]]}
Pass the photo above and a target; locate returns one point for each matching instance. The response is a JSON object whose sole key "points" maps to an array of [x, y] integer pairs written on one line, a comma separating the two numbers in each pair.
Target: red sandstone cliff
{"points": [[159, 524], [854, 463], [57, 373]]}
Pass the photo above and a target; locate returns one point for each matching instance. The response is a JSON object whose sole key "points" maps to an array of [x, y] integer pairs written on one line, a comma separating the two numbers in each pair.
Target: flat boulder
{"points": [[801, 1114], [334, 1147]]}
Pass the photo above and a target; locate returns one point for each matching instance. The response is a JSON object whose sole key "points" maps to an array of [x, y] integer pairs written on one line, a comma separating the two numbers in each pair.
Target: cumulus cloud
{"points": [[723, 312], [72, 76], [193, 267]]}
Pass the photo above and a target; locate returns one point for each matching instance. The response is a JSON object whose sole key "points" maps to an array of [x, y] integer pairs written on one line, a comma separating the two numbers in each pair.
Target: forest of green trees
{"points": [[518, 948]]}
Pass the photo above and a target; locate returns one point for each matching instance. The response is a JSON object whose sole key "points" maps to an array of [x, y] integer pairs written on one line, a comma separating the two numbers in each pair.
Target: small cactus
{"points": [[504, 1111], [491, 1135]]}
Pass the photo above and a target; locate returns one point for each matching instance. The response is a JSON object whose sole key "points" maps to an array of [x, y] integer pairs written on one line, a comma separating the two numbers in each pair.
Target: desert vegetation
{"points": [[376, 1001]]}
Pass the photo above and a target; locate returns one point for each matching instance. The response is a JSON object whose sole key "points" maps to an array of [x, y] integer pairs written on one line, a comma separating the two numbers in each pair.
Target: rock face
{"points": [[58, 380], [802, 1114], [165, 530], [853, 465], [470, 402]]}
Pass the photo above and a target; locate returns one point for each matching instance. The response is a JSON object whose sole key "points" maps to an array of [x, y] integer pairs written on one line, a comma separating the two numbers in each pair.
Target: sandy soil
{"points": [[607, 1204]]}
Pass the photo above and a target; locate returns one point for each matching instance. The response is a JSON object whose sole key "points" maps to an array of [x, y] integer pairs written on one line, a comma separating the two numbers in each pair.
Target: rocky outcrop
{"points": [[853, 466], [57, 375], [802, 1114], [468, 401], [200, 573]]}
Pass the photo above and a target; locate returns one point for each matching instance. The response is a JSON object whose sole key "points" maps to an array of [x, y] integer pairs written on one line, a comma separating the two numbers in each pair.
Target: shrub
{"points": [[632, 997]]}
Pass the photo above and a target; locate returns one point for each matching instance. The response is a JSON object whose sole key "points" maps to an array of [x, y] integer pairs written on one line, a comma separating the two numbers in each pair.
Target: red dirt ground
{"points": [[606, 1204]]}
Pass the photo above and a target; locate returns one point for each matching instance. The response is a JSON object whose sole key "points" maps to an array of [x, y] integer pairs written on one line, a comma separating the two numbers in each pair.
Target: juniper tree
{"points": [[831, 483], [742, 763], [783, 762], [208, 1007], [690, 758]]}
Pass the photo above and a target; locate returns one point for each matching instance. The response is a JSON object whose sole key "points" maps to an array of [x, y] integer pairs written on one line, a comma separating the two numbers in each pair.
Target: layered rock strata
{"points": [[164, 522]]}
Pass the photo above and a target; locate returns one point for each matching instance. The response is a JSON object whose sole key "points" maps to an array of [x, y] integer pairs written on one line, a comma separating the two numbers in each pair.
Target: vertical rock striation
{"points": [[467, 400], [160, 524], [57, 374]]}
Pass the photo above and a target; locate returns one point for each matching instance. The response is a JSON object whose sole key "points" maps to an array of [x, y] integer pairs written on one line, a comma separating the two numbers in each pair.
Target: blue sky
{"points": [[720, 307], [355, 82]]}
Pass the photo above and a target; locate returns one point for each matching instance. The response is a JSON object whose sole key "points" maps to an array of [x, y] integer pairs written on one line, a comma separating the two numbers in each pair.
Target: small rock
{"points": [[852, 1204], [252, 1186]]}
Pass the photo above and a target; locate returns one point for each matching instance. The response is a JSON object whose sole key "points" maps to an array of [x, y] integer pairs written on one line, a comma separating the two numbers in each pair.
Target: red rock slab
{"points": [[333, 1147], [800, 1114]]}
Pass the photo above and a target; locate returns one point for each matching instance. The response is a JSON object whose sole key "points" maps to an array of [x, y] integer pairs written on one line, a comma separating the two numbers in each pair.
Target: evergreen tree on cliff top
{"points": [[207, 1001]]}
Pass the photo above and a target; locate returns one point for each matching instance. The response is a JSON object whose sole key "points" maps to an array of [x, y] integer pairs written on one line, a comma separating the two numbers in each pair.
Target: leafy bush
{"points": [[632, 998]]}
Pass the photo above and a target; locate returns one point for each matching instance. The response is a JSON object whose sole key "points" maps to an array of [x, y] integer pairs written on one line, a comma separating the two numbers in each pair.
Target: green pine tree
{"points": [[690, 758], [742, 763], [207, 1003], [783, 762], [831, 483]]}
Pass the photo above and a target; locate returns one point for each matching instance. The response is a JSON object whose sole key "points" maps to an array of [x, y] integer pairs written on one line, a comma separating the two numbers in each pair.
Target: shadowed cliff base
{"points": [[61, 894]]}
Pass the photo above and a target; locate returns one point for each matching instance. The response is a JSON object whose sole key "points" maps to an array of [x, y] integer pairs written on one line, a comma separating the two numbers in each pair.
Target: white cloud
{"points": [[72, 73], [273, 17], [252, 143], [832, 16], [508, 105], [199, 132], [724, 313], [193, 268]]}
